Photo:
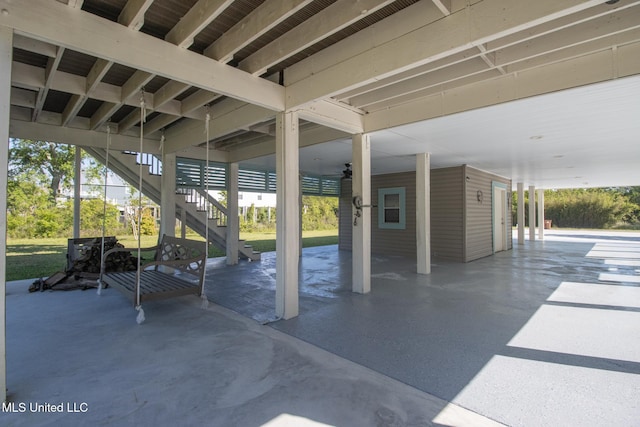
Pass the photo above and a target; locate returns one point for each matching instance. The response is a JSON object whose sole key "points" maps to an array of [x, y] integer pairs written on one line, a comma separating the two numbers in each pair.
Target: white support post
{"points": [[287, 215], [77, 186], [532, 213], [520, 213], [233, 222], [6, 55], [361, 245], [541, 214], [168, 195], [300, 207], [423, 212], [183, 223]]}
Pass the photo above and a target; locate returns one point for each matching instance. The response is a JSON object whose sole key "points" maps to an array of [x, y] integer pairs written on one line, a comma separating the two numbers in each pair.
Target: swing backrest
{"points": [[174, 251]]}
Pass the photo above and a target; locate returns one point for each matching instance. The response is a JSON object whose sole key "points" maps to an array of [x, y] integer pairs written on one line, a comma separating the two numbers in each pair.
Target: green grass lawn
{"points": [[33, 258]]}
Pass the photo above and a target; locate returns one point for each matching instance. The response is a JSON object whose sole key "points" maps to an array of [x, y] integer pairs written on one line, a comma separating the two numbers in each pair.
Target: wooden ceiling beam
{"points": [[329, 21]]}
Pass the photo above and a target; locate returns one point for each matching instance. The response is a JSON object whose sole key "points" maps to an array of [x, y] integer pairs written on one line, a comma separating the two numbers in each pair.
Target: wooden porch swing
{"points": [[179, 265]]}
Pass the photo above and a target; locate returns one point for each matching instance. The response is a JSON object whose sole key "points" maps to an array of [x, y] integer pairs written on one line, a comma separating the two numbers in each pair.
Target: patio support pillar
{"points": [[287, 215], [541, 214], [77, 186], [532, 213], [301, 208], [168, 195], [183, 223], [361, 181], [423, 212], [6, 55], [233, 222], [520, 213]]}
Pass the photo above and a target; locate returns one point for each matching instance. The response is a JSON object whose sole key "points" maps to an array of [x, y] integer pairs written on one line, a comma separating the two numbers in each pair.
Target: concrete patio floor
{"points": [[545, 334]]}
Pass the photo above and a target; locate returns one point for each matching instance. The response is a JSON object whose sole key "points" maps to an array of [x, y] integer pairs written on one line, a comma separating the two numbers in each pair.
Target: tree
{"points": [[45, 162], [24, 200]]}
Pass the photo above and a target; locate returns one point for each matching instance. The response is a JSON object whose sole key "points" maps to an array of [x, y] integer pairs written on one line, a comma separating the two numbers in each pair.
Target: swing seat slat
{"points": [[177, 270]]}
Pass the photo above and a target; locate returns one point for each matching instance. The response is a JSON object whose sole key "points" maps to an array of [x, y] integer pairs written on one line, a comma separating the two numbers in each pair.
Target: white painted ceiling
{"points": [[582, 137]]}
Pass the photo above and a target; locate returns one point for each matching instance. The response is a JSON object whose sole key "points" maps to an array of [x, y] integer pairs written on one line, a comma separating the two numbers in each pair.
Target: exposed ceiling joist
{"points": [[225, 120], [165, 94], [444, 6], [477, 24], [582, 33], [30, 77], [194, 102], [132, 15], [78, 136], [263, 18], [198, 17], [332, 19], [587, 69], [52, 22], [129, 89], [420, 83], [35, 46], [50, 71], [616, 41]]}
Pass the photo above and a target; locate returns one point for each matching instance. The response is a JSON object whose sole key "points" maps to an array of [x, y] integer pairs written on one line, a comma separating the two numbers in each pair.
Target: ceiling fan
{"points": [[346, 173]]}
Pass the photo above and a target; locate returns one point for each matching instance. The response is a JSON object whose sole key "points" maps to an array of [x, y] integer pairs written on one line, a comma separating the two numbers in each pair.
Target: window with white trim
{"points": [[391, 208]]}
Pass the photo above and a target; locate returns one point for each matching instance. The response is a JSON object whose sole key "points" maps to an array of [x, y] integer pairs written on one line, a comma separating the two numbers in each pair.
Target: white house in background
{"points": [[258, 200]]}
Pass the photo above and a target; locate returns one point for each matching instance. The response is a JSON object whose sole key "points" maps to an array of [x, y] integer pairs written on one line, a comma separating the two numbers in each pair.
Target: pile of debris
{"points": [[84, 257]]}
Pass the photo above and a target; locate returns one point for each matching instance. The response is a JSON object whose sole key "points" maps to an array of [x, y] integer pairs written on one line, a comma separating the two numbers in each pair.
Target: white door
{"points": [[499, 219]]}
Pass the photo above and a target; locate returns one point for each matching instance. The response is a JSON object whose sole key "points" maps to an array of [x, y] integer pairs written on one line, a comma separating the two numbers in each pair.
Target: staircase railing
{"points": [[202, 200], [194, 193]]}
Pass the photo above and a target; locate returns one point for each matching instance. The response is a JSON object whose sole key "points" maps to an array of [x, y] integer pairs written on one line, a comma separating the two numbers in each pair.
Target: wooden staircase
{"points": [[193, 201]]}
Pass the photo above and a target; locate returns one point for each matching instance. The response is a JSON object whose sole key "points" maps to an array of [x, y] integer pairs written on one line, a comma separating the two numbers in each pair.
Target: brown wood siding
{"points": [[345, 219], [479, 214], [397, 242], [447, 213]]}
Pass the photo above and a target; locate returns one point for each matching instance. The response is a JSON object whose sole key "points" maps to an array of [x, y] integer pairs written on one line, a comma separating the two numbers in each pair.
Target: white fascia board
{"points": [[84, 32], [588, 69], [477, 24]]}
